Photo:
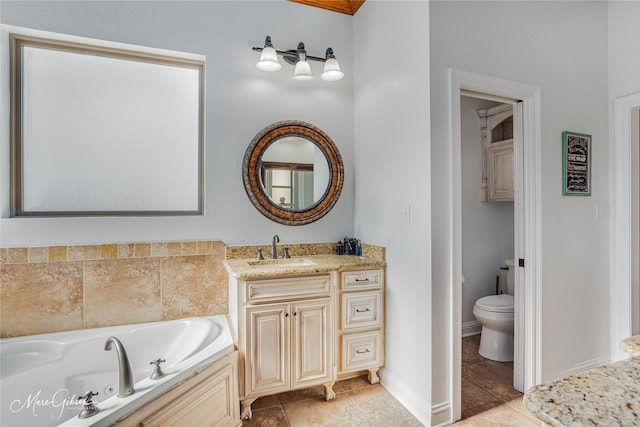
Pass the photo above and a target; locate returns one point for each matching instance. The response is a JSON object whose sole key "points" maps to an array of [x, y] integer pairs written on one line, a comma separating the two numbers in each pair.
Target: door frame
{"points": [[622, 311], [527, 365]]}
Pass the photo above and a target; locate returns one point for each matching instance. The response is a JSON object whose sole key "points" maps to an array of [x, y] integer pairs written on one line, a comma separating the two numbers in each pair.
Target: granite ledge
{"points": [[631, 346], [604, 396], [322, 261]]}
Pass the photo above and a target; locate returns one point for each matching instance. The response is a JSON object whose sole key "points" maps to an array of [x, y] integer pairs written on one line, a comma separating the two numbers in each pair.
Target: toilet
{"points": [[495, 314]]}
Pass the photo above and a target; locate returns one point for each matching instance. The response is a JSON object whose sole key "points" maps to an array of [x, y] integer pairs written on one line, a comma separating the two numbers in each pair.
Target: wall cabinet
{"points": [[496, 126]]}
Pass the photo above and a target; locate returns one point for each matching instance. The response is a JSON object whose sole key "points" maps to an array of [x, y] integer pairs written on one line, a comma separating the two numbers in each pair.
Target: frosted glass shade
{"points": [[331, 71], [268, 60], [302, 71]]}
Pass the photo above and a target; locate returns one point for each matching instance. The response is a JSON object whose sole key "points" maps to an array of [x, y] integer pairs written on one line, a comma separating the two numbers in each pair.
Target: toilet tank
{"points": [[510, 276]]}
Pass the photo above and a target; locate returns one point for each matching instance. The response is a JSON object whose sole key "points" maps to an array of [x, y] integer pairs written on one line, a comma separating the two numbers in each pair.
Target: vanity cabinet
{"points": [[285, 337], [360, 336]]}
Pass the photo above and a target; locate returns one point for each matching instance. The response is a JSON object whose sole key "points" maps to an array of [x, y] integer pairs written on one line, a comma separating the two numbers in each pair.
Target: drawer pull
{"points": [[366, 279], [362, 311], [362, 352]]}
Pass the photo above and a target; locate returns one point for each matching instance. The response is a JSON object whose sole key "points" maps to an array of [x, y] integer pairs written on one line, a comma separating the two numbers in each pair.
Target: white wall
{"points": [[487, 227], [391, 123], [240, 101], [560, 47]]}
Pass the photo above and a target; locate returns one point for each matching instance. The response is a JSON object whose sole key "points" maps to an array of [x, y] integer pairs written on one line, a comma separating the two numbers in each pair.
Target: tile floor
{"points": [[485, 383], [357, 403], [487, 397]]}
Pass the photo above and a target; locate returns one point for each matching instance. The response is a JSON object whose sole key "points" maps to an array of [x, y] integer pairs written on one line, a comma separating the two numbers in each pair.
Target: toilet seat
{"points": [[496, 303]]}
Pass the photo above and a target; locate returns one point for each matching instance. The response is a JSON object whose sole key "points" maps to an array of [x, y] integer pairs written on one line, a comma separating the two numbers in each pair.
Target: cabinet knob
{"points": [[295, 313], [286, 315]]}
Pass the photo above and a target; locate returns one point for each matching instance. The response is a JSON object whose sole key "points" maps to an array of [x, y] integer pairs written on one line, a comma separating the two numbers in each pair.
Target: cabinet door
{"points": [[311, 342], [267, 349]]}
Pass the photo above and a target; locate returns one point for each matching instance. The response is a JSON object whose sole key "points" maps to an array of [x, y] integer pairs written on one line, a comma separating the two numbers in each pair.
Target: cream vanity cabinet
{"points": [[360, 335], [285, 337], [496, 131]]}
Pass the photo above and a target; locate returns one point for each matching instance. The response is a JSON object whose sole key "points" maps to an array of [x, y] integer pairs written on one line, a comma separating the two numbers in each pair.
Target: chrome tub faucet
{"points": [[125, 375]]}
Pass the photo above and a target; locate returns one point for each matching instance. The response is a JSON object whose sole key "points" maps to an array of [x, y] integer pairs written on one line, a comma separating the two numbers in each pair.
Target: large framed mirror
{"points": [[293, 172]]}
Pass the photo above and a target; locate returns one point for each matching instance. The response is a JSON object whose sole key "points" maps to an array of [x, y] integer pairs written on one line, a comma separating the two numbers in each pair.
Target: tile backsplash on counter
{"points": [[60, 288]]}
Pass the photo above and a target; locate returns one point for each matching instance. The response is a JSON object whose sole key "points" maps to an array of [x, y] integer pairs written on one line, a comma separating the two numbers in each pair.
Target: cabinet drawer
{"points": [[364, 279], [361, 351], [361, 310], [288, 288]]}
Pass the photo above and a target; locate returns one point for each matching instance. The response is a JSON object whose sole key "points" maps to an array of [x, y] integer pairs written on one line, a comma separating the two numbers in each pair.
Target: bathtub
{"points": [[42, 375]]}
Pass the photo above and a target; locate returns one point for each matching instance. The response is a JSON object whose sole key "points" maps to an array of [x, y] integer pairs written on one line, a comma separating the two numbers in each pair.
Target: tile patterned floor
{"points": [[357, 403], [486, 384], [487, 397]]}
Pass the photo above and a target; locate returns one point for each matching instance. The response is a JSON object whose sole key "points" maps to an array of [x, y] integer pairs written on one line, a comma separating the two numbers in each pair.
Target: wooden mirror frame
{"points": [[251, 172]]}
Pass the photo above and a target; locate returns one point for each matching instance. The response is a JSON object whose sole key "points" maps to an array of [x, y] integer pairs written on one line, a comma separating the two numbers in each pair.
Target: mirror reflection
{"points": [[294, 173]]}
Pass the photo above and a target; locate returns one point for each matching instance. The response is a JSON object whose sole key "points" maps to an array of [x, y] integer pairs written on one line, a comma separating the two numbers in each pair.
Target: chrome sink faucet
{"points": [[274, 251], [125, 375]]}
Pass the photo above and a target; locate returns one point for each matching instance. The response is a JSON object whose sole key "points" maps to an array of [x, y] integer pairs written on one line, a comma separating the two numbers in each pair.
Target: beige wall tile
{"points": [[83, 252], [39, 254], [143, 250], [189, 248], [3, 255], [57, 253], [204, 247], [17, 255], [159, 249], [123, 291], [39, 298], [108, 251], [193, 286], [174, 248], [126, 250]]}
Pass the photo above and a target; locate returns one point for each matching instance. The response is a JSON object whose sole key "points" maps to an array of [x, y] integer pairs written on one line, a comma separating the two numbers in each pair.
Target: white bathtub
{"points": [[42, 375]]}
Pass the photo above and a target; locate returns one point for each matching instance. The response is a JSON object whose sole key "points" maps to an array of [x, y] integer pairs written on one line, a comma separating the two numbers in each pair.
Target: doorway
{"points": [[625, 250], [527, 182], [487, 245]]}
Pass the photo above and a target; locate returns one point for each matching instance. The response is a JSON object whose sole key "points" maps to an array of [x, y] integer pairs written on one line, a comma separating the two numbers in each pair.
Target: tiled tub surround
{"points": [[63, 288], [604, 396]]}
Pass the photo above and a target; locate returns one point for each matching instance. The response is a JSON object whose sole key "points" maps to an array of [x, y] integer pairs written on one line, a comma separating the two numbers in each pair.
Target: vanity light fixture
{"points": [[299, 58]]}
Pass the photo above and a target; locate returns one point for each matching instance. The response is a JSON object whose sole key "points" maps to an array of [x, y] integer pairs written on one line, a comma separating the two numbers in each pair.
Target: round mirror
{"points": [[293, 172]]}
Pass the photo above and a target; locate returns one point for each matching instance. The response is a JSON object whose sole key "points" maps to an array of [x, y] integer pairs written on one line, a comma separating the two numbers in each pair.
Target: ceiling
{"points": [[349, 7]]}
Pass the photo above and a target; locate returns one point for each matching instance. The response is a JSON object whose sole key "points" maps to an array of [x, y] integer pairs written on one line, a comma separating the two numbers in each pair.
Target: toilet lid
{"points": [[496, 303]]}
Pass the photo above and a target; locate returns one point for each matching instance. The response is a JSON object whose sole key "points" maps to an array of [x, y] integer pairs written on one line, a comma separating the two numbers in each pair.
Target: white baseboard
{"points": [[398, 390], [471, 328], [578, 367], [441, 414]]}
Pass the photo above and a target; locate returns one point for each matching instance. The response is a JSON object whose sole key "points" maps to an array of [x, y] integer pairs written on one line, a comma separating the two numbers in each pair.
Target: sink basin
{"points": [[281, 263]]}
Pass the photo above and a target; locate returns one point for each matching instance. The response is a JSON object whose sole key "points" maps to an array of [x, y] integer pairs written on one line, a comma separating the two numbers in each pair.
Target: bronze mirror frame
{"points": [[251, 172]]}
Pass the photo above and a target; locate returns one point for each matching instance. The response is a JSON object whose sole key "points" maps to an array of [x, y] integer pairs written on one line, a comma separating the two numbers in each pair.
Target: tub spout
{"points": [[125, 376]]}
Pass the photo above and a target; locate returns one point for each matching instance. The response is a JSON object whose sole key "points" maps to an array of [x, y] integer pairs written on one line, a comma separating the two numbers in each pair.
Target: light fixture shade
{"points": [[268, 60], [302, 71], [331, 71]]}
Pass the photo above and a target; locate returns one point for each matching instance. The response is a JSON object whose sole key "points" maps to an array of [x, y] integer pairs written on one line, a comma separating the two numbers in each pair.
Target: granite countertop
{"points": [[604, 396], [631, 345], [310, 264]]}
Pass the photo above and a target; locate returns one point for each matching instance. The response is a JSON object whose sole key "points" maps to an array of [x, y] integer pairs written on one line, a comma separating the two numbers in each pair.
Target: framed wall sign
{"points": [[576, 164]]}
